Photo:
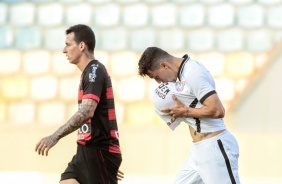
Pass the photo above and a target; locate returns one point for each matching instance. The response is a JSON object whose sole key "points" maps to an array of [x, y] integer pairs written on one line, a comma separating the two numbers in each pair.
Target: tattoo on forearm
{"points": [[76, 121]]}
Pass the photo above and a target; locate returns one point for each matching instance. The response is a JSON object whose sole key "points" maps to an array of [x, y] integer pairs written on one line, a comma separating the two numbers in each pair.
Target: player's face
{"points": [[162, 75], [72, 49]]}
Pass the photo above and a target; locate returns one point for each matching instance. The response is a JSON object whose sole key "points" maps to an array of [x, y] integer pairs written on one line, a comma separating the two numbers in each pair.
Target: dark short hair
{"points": [[150, 60], [83, 33]]}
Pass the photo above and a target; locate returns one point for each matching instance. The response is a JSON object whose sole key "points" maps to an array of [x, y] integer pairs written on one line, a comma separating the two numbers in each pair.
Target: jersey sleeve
{"points": [[93, 82], [201, 82]]}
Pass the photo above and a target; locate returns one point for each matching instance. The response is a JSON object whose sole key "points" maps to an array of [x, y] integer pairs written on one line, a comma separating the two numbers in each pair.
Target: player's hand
{"points": [[120, 175], [45, 144], [178, 110]]}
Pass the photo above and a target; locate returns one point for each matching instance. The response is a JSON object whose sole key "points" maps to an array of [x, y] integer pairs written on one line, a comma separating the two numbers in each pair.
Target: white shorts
{"points": [[212, 161]]}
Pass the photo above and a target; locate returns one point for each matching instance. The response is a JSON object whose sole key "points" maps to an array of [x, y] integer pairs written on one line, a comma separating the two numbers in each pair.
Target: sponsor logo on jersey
{"points": [[84, 132], [162, 90], [171, 121], [92, 75]]}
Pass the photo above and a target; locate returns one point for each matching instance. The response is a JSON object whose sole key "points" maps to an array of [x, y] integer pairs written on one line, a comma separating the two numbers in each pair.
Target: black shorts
{"points": [[93, 166]]}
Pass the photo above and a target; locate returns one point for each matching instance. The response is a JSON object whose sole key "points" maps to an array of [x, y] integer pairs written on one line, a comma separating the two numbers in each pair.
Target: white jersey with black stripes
{"points": [[195, 85]]}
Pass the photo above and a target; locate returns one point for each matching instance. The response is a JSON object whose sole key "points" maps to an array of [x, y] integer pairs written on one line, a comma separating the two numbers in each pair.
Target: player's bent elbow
{"points": [[219, 114]]}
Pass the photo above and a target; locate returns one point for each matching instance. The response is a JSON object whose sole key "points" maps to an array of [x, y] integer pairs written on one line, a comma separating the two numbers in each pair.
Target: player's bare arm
{"points": [[76, 121], [212, 108]]}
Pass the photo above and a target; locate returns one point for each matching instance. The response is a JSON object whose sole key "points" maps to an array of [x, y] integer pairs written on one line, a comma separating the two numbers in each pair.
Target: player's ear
{"points": [[163, 64], [82, 46]]}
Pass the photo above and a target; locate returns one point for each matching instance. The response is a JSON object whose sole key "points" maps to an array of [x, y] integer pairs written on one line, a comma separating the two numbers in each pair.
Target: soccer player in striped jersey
{"points": [[98, 155]]}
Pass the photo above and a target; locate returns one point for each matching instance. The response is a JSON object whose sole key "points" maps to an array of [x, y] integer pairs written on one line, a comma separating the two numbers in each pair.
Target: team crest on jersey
{"points": [[92, 75], [179, 86]]}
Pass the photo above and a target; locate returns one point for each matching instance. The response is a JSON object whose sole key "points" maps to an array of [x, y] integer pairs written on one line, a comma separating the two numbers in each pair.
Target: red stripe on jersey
{"points": [[81, 142], [112, 114], [114, 134], [80, 94], [114, 149], [110, 94], [83, 137], [87, 136], [91, 96]]}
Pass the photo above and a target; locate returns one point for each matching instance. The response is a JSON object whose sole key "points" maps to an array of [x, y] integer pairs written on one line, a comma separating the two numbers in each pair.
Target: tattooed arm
{"points": [[76, 121]]}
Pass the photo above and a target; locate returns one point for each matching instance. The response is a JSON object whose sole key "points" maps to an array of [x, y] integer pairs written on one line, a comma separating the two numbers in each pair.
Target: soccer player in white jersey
{"points": [[187, 94]]}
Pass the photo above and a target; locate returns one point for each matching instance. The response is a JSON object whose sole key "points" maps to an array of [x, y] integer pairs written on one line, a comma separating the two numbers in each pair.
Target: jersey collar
{"points": [[184, 61]]}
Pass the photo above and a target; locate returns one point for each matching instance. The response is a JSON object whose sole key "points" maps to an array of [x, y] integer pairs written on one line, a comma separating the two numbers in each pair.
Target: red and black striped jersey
{"points": [[101, 131]]}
